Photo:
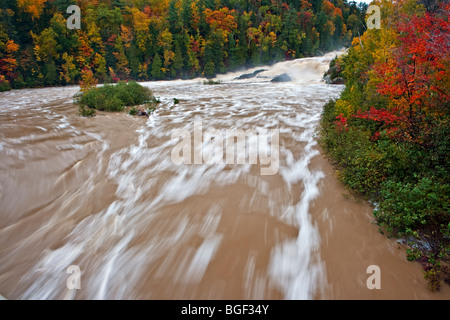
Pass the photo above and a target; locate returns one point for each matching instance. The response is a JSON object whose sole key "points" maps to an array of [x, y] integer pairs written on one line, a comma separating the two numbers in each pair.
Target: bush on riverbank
{"points": [[4, 84], [113, 98], [409, 184], [389, 133]]}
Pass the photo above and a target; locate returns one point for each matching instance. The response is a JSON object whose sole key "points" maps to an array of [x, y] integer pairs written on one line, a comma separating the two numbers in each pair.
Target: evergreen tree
{"points": [[186, 15], [157, 73], [178, 61], [173, 17]]}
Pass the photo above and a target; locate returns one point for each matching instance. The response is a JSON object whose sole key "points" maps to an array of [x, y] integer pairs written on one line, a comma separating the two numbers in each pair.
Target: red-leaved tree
{"points": [[417, 76]]}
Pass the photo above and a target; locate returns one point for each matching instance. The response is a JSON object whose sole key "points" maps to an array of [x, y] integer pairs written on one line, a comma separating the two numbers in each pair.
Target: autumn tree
{"points": [[33, 7], [68, 69], [157, 65], [416, 74]]}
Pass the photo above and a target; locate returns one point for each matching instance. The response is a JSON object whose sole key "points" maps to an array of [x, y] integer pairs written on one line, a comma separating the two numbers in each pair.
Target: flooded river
{"points": [[104, 197]]}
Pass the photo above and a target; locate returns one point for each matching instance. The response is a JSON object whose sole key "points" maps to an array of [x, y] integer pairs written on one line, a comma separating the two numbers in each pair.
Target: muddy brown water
{"points": [[104, 194]]}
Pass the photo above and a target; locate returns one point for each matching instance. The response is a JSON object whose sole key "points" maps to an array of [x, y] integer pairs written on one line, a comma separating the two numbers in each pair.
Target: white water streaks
{"points": [[105, 195], [216, 147]]}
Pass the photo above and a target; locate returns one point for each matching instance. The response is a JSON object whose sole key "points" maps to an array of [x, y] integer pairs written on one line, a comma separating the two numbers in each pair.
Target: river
{"points": [[103, 196]]}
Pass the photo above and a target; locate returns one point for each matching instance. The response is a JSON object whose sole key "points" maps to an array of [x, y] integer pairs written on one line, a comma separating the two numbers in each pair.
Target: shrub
{"points": [[114, 97], [362, 165], [212, 82], [4, 84], [433, 276], [87, 113], [415, 209]]}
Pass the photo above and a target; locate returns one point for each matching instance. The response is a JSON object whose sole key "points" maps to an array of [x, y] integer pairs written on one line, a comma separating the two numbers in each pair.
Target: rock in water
{"points": [[329, 80], [338, 80], [282, 78], [250, 75]]}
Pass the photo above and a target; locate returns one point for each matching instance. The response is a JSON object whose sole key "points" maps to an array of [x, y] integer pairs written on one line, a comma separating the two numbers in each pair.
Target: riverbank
{"points": [[351, 242], [388, 133]]}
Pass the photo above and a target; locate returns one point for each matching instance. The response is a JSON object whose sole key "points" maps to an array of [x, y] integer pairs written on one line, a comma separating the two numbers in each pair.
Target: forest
{"points": [[163, 39], [389, 133]]}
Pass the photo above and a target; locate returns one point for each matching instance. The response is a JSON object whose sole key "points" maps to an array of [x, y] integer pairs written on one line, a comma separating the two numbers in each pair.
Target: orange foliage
{"points": [[328, 7], [221, 19], [11, 47], [88, 80], [33, 7]]}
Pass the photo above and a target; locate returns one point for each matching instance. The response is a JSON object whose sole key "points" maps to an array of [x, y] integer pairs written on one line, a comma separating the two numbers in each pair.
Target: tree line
{"points": [[163, 39]]}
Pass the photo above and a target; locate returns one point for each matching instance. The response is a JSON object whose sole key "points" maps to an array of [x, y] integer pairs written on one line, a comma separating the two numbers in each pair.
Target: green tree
{"points": [[173, 17], [157, 73], [186, 15], [178, 61], [209, 70]]}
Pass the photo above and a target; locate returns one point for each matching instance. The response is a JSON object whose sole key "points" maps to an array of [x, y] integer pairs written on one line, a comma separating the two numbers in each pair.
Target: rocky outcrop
{"points": [[333, 75], [337, 80], [250, 75], [282, 78]]}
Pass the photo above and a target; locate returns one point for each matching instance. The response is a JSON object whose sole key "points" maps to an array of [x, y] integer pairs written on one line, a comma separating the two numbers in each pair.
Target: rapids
{"points": [[105, 195]]}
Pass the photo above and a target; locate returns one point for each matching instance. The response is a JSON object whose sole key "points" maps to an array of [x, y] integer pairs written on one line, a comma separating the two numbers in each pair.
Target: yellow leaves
{"points": [[344, 107], [140, 21], [142, 70], [112, 73], [93, 34], [68, 68], [58, 20], [36, 51], [68, 58], [141, 24], [88, 80], [356, 41], [273, 38], [126, 35], [375, 45], [168, 57], [99, 63], [166, 39], [255, 35], [45, 45]]}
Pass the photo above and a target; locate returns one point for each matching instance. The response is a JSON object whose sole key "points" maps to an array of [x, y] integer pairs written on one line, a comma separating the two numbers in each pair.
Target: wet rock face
{"points": [[337, 80], [282, 78], [333, 76]]}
